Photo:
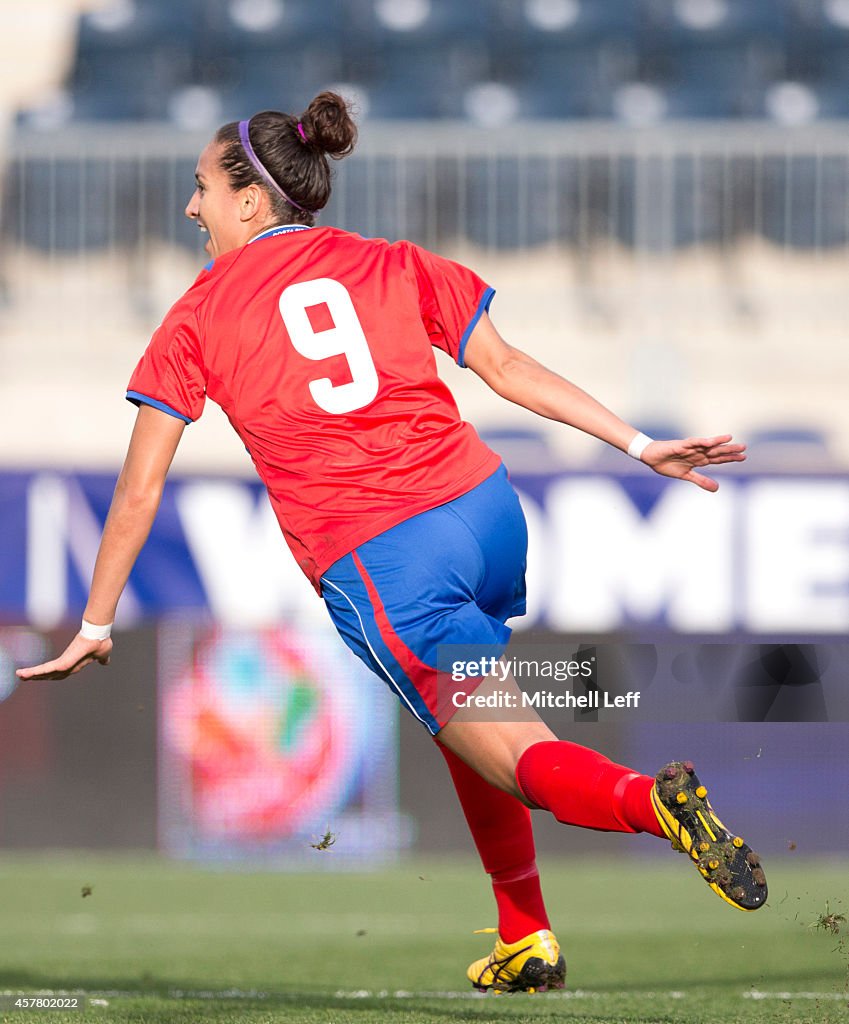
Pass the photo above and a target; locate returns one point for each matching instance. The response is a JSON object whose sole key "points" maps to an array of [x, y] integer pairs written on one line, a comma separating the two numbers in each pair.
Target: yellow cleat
{"points": [[726, 863], [533, 964]]}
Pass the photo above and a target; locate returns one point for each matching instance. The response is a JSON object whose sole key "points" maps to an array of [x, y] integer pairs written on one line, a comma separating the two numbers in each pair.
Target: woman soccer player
{"points": [[317, 343]]}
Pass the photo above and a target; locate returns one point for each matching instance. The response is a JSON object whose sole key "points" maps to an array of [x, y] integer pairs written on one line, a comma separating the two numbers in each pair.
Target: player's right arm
{"points": [[138, 492], [519, 378]]}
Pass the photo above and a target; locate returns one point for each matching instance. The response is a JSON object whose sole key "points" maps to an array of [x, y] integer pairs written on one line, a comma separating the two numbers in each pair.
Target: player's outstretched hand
{"points": [[682, 458], [79, 653]]}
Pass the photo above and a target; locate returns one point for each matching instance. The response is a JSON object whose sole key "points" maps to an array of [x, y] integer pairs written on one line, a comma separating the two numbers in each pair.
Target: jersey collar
{"points": [[281, 229]]}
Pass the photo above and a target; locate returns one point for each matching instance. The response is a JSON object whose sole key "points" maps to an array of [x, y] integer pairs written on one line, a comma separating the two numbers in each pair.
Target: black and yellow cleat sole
{"points": [[539, 976], [730, 867], [536, 975]]}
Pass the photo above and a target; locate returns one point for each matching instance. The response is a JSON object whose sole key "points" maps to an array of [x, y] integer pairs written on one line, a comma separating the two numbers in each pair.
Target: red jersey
{"points": [[317, 344]]}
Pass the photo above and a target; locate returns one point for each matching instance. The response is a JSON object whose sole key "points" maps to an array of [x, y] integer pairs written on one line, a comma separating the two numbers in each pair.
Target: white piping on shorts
{"points": [[389, 678]]}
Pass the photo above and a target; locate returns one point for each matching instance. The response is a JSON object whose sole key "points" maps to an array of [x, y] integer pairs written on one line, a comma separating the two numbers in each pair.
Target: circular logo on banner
{"points": [[267, 733]]}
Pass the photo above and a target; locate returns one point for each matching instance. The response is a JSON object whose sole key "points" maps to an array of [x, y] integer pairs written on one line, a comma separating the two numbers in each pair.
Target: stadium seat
{"points": [[278, 50], [53, 112], [289, 93], [581, 39], [792, 102], [523, 450], [570, 22], [131, 84], [132, 24], [812, 437], [271, 79], [130, 56], [197, 107], [571, 83], [402, 22], [819, 31], [397, 99], [832, 99], [713, 57], [685, 24], [790, 448], [425, 79], [693, 97], [826, 74], [579, 64], [718, 79], [243, 27], [421, 55], [431, 47]]}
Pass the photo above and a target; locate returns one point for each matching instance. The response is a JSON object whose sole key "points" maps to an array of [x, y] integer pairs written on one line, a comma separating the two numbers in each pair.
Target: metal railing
{"points": [[544, 184]]}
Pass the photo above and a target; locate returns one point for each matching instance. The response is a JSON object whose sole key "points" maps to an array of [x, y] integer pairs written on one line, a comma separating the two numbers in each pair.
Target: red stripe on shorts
{"points": [[423, 677]]}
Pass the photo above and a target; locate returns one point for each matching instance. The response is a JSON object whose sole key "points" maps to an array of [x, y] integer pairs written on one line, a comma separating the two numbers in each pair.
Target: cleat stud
{"points": [[737, 841], [669, 772], [704, 847], [701, 792], [688, 767], [713, 864], [681, 798], [752, 859], [738, 893], [758, 877]]}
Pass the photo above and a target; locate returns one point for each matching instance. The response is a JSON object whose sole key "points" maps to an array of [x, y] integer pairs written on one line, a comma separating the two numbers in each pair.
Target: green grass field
{"points": [[645, 942]]}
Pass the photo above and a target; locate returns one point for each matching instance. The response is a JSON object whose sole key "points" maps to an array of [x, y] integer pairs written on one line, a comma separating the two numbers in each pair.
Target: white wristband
{"points": [[89, 631], [639, 445]]}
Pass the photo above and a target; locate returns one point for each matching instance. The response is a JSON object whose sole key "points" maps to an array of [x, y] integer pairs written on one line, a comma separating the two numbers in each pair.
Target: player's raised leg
{"points": [[581, 787]]}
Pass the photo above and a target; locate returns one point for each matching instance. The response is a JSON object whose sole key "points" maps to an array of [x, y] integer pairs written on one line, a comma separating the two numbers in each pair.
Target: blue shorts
{"points": [[451, 575]]}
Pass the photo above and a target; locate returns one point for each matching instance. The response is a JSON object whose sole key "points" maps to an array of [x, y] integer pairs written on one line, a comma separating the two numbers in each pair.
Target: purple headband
{"points": [[255, 160]]}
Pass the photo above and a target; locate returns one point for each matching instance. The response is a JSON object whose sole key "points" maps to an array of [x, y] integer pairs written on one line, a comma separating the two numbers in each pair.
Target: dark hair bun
{"points": [[328, 125]]}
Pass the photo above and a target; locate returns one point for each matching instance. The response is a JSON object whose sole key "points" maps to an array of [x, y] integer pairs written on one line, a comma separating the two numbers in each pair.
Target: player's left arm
{"points": [[519, 378], [138, 492]]}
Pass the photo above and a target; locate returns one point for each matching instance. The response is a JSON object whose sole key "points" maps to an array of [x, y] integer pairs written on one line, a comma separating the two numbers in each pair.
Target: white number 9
{"points": [[345, 338]]}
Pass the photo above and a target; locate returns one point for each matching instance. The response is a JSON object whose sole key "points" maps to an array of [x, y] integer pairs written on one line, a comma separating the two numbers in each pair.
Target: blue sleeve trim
{"points": [[139, 399], [483, 307]]}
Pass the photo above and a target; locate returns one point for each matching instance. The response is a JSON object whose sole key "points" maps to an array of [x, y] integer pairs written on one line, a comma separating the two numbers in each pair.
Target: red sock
{"points": [[582, 787], [501, 828], [518, 895]]}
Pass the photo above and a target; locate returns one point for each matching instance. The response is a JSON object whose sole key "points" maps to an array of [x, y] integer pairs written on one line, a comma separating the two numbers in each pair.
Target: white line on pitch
{"points": [[257, 994], [836, 996]]}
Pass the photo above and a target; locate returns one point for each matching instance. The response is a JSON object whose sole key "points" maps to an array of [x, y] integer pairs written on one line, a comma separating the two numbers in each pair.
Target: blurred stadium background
{"points": [[659, 191]]}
